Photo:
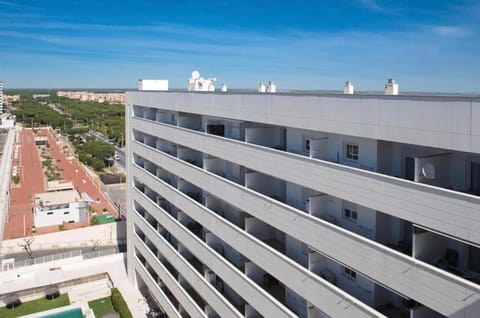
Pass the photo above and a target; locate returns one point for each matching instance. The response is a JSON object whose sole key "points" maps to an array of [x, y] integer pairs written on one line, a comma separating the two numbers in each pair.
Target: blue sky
{"points": [[425, 45]]}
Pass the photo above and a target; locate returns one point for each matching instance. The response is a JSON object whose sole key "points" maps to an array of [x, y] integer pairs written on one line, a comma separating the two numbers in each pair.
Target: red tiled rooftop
{"points": [[32, 180]]}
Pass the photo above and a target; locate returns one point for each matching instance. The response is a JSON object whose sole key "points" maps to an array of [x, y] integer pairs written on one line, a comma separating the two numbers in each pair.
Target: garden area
{"points": [[114, 304], [21, 309], [49, 166]]}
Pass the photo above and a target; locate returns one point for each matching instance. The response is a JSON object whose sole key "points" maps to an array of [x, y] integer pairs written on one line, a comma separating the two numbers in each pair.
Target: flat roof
{"points": [[321, 93], [58, 186], [54, 198]]}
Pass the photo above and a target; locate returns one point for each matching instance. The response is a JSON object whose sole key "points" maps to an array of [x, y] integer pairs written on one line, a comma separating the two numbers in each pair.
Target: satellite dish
{"points": [[195, 75], [428, 171]]}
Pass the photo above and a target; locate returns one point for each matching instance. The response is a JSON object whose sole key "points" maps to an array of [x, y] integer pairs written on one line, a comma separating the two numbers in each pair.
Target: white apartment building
{"points": [[59, 207], [308, 205]]}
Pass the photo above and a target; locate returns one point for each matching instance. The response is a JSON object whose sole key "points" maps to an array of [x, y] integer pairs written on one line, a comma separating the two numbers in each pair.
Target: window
{"points": [[218, 130], [351, 151], [49, 213], [350, 273], [66, 212], [350, 214], [307, 144]]}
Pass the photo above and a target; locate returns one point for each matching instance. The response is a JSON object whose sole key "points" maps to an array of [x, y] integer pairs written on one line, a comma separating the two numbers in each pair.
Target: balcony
{"points": [[372, 190], [453, 256], [166, 147], [191, 156], [272, 137], [166, 117], [190, 121], [225, 169], [266, 185], [231, 275], [265, 280], [300, 226], [266, 233], [383, 300]]}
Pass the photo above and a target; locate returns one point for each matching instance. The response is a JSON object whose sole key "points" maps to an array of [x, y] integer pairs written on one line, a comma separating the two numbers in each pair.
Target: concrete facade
{"points": [[247, 204]]}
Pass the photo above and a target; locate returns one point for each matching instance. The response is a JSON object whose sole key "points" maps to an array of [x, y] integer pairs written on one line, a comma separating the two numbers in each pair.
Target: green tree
{"points": [[97, 164]]}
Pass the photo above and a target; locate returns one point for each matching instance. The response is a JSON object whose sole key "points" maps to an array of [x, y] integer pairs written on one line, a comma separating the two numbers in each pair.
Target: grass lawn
{"points": [[35, 306], [105, 218], [100, 306]]}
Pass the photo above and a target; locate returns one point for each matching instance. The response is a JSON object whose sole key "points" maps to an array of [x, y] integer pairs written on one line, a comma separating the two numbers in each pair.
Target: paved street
{"points": [[121, 153], [20, 219], [117, 193]]}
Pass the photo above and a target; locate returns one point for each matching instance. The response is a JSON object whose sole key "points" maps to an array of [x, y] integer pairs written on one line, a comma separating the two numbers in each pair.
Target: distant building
{"points": [[62, 205], [9, 99], [111, 98], [197, 83], [152, 85], [41, 95], [7, 121]]}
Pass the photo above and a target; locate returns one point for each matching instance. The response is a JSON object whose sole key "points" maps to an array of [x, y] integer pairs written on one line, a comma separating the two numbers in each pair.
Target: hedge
{"points": [[120, 305]]}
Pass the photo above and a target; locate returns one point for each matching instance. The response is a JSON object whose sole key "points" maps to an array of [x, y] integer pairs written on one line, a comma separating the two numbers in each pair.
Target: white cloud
{"points": [[373, 5], [451, 31]]}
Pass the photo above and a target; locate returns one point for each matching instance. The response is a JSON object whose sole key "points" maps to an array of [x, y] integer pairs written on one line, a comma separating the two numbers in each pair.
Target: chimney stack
{"points": [[348, 88], [261, 88], [391, 88], [271, 88]]}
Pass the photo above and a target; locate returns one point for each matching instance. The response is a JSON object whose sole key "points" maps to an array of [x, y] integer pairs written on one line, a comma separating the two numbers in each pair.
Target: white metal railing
{"points": [[64, 255]]}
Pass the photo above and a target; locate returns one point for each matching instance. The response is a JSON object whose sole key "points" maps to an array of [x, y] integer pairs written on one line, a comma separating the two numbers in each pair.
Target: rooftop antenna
{"points": [[195, 75]]}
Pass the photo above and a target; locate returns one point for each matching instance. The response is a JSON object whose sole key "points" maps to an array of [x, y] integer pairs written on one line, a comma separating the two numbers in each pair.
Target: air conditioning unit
{"points": [[329, 276]]}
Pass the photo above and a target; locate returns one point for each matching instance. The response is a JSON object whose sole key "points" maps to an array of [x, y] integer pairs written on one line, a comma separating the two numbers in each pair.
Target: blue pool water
{"points": [[72, 313]]}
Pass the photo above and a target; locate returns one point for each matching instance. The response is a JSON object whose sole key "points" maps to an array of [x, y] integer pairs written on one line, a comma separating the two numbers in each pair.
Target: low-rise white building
{"points": [[59, 207], [152, 85], [7, 121]]}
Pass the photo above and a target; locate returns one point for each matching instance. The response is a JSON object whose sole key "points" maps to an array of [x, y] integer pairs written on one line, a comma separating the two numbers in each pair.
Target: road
{"points": [[55, 108], [117, 193], [120, 151]]}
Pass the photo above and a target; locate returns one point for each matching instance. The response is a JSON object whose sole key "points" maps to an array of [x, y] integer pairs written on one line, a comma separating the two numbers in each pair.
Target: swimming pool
{"points": [[71, 313]]}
